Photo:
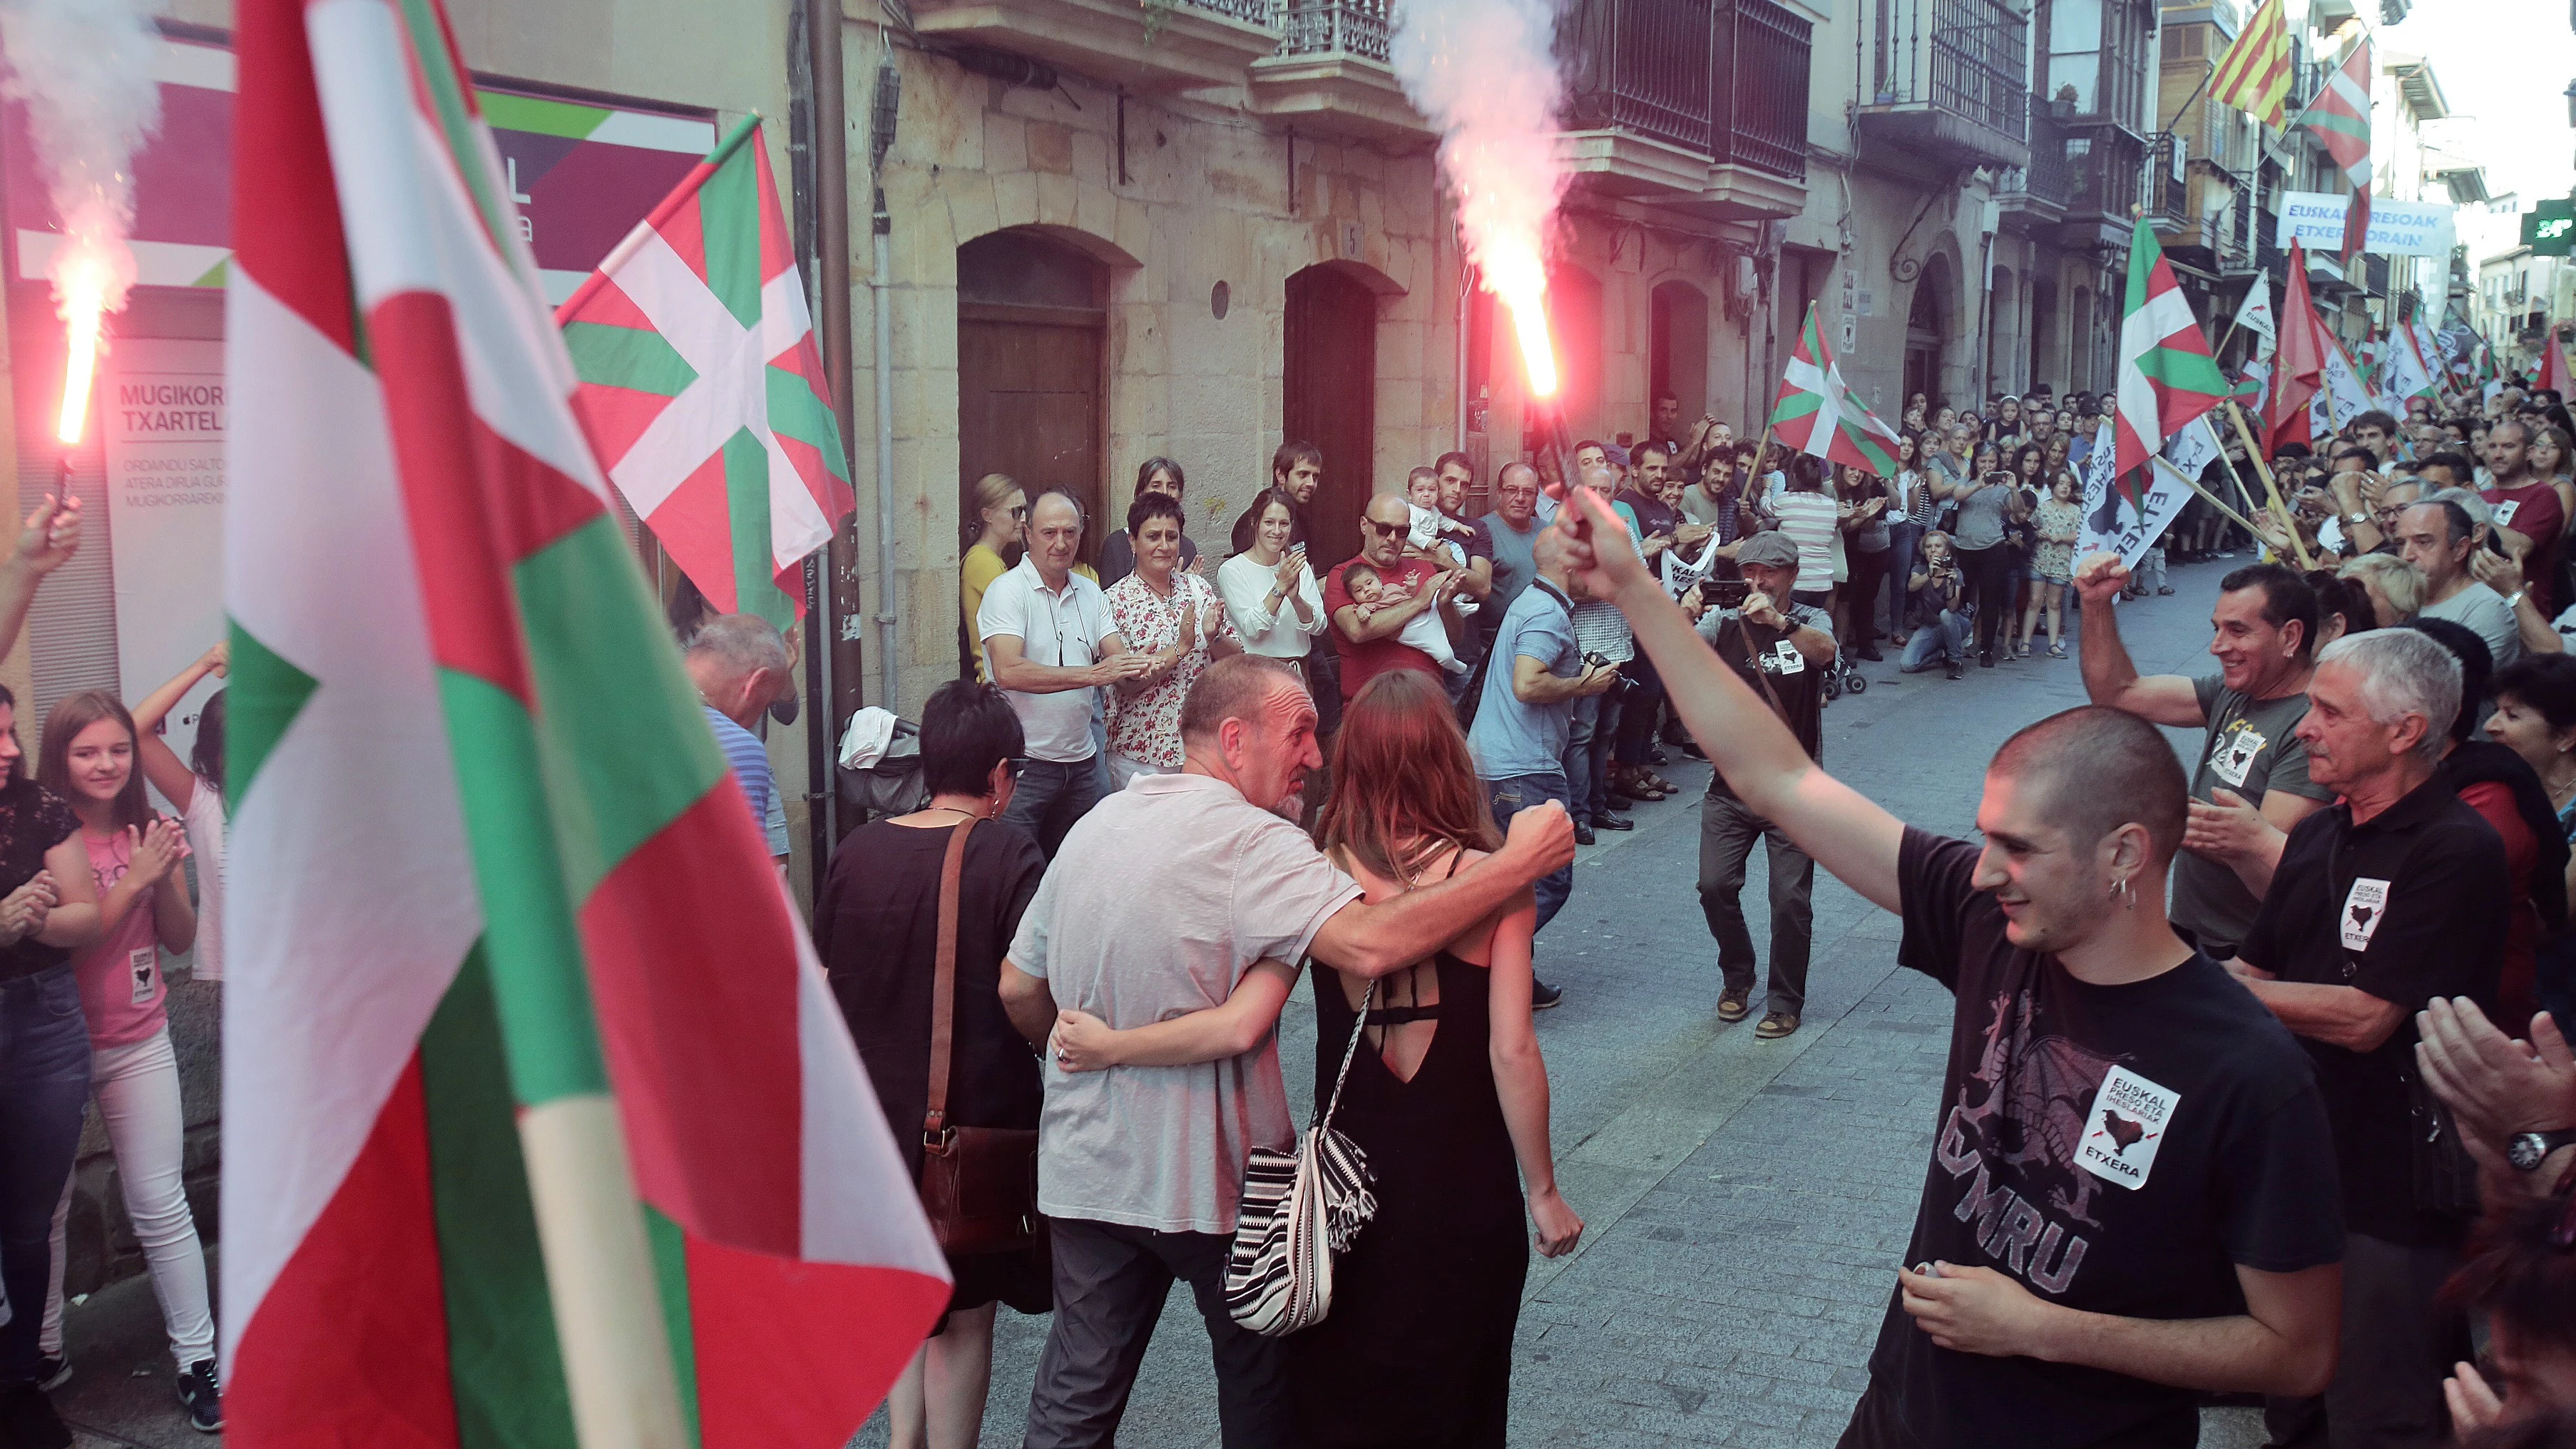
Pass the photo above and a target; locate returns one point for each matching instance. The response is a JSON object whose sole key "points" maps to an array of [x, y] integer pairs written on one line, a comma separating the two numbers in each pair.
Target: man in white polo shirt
{"points": [[1047, 636]]}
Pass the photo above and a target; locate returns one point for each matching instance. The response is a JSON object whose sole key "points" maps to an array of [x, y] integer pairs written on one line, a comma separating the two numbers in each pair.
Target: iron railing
{"points": [[1968, 57], [1759, 60], [1264, 13], [2168, 185], [2103, 164], [1336, 27], [1639, 65], [2044, 179]]}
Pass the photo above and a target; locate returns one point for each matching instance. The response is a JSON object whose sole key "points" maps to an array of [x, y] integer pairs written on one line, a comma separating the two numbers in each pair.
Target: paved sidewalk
{"points": [[1746, 1202]]}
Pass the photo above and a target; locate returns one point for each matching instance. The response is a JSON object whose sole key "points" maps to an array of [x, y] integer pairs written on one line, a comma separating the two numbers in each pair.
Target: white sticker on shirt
{"points": [[2504, 510], [2236, 752], [141, 966], [1790, 661], [2126, 1128], [2363, 910]]}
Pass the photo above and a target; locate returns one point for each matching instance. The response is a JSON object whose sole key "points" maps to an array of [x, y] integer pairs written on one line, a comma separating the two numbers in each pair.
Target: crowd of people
{"points": [[2254, 1084]]}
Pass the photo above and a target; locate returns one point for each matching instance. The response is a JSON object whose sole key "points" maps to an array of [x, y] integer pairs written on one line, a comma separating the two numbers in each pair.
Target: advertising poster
{"points": [[161, 414]]}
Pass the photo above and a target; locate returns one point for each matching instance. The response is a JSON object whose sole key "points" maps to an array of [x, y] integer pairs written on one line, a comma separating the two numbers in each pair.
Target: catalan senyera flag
{"points": [[2340, 117], [491, 874], [1816, 414], [2167, 376], [702, 390], [2254, 73]]}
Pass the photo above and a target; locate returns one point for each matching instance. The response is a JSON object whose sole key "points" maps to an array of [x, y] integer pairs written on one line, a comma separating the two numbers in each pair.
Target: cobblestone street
{"points": [[1745, 1201]]}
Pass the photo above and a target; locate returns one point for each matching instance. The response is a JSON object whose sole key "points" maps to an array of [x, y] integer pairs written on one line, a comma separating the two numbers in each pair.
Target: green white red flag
{"points": [[702, 390], [2553, 367], [2167, 376], [496, 892], [1816, 414], [2340, 118]]}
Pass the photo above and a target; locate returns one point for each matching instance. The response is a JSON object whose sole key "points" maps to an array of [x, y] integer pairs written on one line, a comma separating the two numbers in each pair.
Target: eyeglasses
{"points": [[1019, 510], [1015, 764], [1385, 530]]}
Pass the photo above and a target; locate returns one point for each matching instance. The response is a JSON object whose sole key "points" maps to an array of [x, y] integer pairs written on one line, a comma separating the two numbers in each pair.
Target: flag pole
{"points": [[2280, 511]]}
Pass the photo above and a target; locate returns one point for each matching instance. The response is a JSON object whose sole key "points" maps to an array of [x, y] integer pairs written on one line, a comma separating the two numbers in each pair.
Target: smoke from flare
{"points": [[1484, 72], [83, 69]]}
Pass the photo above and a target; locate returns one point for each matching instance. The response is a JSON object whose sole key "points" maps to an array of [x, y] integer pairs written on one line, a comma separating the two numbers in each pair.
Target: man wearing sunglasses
{"points": [[1369, 647]]}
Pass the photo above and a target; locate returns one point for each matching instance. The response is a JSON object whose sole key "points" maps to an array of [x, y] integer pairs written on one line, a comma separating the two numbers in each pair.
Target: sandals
{"points": [[2056, 651]]}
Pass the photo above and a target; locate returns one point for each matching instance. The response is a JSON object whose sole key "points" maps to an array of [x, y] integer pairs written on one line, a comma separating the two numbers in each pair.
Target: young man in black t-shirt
{"points": [[2132, 1193]]}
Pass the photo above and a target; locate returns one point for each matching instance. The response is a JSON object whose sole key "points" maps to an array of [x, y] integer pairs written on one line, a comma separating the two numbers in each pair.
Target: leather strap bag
{"points": [[979, 1185]]}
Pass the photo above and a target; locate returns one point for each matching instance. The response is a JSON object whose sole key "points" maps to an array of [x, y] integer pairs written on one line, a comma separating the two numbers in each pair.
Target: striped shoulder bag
{"points": [[1299, 1209]]}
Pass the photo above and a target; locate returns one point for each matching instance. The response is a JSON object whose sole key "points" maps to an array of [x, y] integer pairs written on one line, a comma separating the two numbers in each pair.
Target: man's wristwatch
{"points": [[2527, 1150]]}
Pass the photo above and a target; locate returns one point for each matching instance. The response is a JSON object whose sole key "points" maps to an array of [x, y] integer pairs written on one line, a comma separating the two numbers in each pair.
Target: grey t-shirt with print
{"points": [[1161, 899], [2249, 750]]}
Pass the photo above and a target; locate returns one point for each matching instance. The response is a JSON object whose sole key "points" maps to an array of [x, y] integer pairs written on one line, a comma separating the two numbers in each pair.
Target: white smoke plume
{"points": [[83, 68], [1484, 72]]}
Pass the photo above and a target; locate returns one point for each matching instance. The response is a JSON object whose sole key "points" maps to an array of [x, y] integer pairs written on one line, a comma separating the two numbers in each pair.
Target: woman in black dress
{"points": [[1446, 1097], [876, 928]]}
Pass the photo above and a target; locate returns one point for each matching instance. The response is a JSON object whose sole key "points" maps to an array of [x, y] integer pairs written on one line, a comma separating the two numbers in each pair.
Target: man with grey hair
{"points": [[2437, 536], [2395, 896], [741, 666]]}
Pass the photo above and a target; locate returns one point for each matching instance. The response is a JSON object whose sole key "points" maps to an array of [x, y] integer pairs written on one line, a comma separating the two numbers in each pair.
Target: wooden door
{"points": [[1028, 404], [1328, 385]]}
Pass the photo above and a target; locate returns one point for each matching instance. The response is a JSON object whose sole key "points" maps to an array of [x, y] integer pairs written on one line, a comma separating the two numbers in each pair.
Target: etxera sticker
{"points": [[2127, 1125]]}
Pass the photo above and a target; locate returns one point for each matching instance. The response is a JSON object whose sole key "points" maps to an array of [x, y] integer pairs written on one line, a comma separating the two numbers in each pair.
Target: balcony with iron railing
{"points": [[1159, 45], [2036, 193], [1688, 101], [1950, 82], [2166, 189], [1330, 76], [2105, 165]]}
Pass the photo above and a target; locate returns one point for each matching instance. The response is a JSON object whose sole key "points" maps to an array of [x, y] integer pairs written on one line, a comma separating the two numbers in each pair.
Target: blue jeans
{"points": [[1587, 756], [1509, 797], [44, 1088], [1904, 540], [1051, 797], [1948, 638]]}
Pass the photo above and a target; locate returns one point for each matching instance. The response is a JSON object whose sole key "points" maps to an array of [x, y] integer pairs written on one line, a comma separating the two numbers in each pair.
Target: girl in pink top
{"points": [[88, 758]]}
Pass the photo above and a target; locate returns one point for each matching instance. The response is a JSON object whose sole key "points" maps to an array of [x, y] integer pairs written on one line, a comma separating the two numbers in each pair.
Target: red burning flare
{"points": [[82, 285]]}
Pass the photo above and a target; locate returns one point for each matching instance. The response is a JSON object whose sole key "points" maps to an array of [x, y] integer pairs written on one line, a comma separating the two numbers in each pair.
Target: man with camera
{"points": [[1780, 649], [1534, 675], [1941, 623]]}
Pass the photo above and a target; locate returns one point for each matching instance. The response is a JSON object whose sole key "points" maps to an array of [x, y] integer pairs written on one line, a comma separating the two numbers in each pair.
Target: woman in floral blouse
{"points": [[1176, 618]]}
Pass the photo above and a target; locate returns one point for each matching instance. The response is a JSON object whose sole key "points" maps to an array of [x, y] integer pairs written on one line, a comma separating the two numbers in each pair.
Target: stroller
{"points": [[1843, 676], [889, 782]]}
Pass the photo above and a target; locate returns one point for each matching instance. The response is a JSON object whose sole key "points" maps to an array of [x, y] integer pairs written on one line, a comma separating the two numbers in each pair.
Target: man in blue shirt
{"points": [[741, 666], [1534, 676]]}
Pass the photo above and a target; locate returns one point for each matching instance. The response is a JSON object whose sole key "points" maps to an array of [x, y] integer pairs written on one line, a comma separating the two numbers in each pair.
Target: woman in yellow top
{"points": [[1004, 510]]}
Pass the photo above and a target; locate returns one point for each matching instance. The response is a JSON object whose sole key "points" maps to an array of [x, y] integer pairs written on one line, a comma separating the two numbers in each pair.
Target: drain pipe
{"points": [[880, 299]]}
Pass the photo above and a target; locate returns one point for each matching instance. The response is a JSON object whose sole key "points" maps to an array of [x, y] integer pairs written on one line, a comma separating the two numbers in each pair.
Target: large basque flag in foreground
{"points": [[702, 390], [496, 893], [1816, 414]]}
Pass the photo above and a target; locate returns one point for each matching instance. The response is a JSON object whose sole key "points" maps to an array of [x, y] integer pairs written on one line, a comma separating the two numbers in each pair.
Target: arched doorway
{"points": [[1926, 321], [1677, 350], [2043, 333], [1328, 397], [2079, 331], [1032, 324]]}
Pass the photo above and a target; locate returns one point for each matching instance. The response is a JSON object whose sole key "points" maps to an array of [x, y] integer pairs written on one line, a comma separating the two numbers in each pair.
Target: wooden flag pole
{"points": [[2263, 470], [2220, 504]]}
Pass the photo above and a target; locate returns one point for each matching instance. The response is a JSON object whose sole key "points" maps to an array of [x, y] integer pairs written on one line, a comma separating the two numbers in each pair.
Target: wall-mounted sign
{"points": [[582, 174]]}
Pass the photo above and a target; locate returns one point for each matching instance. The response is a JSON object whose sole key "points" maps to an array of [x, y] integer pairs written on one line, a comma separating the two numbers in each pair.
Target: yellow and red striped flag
{"points": [[2254, 74]]}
